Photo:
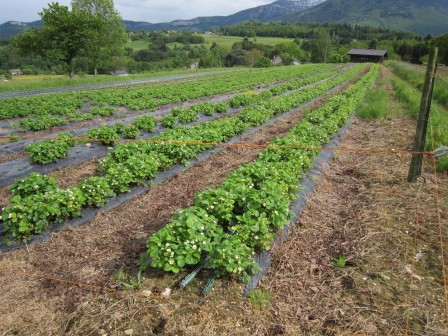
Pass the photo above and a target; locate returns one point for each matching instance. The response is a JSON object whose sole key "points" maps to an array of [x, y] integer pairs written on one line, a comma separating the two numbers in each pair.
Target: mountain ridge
{"points": [[418, 16]]}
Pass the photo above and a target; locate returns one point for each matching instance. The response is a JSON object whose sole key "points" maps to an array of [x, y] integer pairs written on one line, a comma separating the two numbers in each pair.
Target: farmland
{"points": [[112, 198], [223, 41]]}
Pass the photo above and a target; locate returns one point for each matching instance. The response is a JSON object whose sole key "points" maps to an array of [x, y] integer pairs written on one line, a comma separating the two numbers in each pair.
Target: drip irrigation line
{"points": [[238, 144]]}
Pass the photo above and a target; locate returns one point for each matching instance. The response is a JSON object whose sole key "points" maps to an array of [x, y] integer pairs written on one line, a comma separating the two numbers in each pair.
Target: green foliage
{"points": [[374, 105], [64, 35], [96, 190], [221, 107], [41, 123], [146, 123], [128, 281], [442, 43], [25, 217], [178, 244], [263, 62], [102, 111], [106, 34], [105, 134], [260, 298], [33, 184], [243, 99], [339, 261], [130, 132], [169, 121], [47, 151]]}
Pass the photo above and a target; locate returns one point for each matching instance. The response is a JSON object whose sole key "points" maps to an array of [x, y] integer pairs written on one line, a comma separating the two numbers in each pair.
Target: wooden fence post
{"points": [[415, 168]]}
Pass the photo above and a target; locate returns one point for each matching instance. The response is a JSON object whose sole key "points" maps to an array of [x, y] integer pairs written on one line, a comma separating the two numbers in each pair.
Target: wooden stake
{"points": [[415, 168]]}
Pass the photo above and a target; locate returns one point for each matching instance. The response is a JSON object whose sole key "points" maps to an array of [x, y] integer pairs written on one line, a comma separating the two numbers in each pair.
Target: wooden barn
{"points": [[367, 55]]}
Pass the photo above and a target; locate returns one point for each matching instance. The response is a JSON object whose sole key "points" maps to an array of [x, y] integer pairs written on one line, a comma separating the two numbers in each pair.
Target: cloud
{"points": [[154, 11]]}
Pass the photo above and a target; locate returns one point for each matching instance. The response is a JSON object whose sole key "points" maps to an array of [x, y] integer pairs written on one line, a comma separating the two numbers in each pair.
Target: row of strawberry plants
{"points": [[134, 163], [149, 96], [44, 121], [187, 115], [227, 225], [51, 150]]}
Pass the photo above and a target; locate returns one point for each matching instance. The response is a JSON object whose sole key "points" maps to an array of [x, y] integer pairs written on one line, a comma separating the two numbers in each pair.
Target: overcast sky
{"points": [[153, 11]]}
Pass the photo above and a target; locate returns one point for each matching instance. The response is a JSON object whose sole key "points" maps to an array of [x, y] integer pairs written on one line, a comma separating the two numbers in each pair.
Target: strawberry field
{"points": [[165, 137], [114, 198]]}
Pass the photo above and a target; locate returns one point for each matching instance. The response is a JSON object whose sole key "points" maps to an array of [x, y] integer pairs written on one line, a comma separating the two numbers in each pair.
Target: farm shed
{"points": [[367, 55], [15, 72]]}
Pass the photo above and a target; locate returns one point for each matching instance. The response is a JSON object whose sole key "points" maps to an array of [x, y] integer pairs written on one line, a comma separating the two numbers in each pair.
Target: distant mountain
{"points": [[12, 28], [418, 16], [263, 13]]}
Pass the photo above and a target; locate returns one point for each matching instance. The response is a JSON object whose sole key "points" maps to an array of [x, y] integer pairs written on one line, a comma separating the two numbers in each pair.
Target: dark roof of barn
{"points": [[368, 52]]}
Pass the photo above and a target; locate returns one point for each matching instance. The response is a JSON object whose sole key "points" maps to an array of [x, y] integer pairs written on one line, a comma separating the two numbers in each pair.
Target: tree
{"points": [[107, 35], [373, 44], [442, 43], [63, 36]]}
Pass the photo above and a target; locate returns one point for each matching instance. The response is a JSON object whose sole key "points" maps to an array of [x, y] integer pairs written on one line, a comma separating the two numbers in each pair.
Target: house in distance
{"points": [[367, 55]]}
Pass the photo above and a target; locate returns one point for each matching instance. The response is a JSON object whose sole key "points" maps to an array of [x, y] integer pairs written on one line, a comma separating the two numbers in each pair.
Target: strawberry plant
{"points": [[145, 123], [169, 121], [105, 134], [47, 151], [130, 132], [27, 216], [33, 184], [102, 111], [96, 190]]}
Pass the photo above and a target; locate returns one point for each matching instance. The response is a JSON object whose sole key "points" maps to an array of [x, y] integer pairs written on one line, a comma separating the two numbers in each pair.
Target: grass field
{"points": [[228, 41], [223, 41]]}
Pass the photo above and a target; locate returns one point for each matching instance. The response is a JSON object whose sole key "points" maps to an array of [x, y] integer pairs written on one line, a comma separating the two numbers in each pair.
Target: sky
{"points": [[153, 11]]}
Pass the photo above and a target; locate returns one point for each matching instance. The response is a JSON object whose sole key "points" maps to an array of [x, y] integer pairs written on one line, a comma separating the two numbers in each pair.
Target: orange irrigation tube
{"points": [[223, 144]]}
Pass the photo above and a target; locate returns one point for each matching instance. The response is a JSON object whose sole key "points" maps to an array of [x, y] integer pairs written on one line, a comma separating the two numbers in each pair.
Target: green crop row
{"points": [[226, 226], [144, 97], [134, 163], [52, 150]]}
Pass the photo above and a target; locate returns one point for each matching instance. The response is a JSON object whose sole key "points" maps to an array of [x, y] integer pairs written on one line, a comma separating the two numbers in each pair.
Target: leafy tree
{"points": [[289, 51], [373, 44], [235, 57], [252, 56], [442, 43], [64, 35], [107, 35], [263, 62]]}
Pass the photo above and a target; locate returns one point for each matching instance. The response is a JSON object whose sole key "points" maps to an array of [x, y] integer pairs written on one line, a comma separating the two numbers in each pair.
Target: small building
{"points": [[367, 55], [120, 73], [15, 72], [194, 65], [278, 61]]}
